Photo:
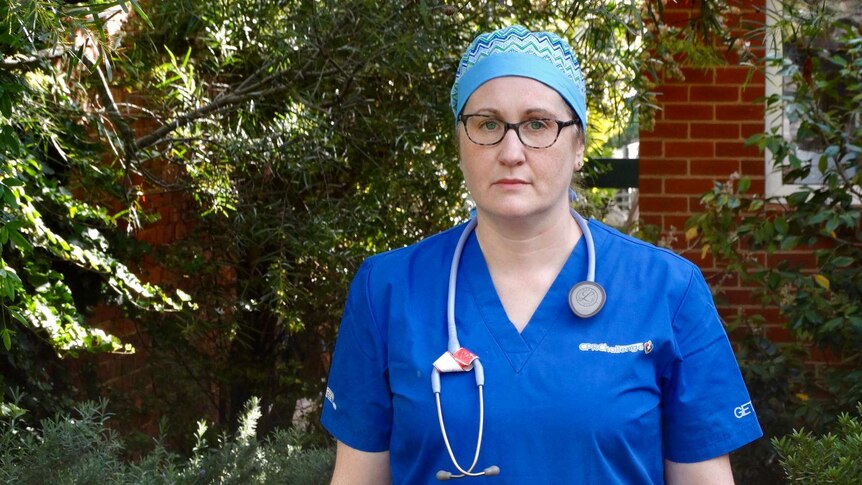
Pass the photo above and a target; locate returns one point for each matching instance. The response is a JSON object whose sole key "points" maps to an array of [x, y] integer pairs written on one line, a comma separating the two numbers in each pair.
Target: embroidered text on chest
{"points": [[645, 347]]}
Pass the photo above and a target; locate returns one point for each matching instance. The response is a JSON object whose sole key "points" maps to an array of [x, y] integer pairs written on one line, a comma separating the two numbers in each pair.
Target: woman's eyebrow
{"points": [[541, 112]]}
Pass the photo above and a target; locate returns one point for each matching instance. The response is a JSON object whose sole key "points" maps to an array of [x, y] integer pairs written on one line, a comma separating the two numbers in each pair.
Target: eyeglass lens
{"points": [[535, 133]]}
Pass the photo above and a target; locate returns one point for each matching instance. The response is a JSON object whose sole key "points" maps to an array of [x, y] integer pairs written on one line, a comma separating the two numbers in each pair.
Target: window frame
{"points": [[774, 185]]}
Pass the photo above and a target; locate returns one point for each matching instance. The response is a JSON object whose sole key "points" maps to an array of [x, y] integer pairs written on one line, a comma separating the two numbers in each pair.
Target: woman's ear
{"points": [[579, 156]]}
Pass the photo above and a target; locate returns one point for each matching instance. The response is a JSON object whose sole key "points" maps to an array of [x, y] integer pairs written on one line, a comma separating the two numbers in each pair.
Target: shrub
{"points": [[831, 458], [81, 449]]}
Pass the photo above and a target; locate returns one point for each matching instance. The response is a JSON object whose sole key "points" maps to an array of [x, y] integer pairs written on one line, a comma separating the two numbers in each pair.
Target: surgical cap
{"points": [[516, 51]]}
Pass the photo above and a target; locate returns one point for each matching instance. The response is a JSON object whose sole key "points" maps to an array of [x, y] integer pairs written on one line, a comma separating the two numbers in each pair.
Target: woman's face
{"points": [[510, 180]]}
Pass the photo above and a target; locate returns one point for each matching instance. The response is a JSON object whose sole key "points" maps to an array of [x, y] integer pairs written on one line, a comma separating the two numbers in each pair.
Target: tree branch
{"points": [[22, 60]]}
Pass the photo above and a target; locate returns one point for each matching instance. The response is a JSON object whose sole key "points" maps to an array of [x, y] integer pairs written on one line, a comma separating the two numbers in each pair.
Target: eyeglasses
{"points": [[535, 133]]}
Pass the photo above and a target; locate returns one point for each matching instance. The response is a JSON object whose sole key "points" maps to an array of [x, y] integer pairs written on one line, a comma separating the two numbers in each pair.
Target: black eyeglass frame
{"points": [[517, 127]]}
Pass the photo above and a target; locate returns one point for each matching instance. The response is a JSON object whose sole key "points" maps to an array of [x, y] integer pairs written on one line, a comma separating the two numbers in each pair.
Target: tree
{"points": [[56, 246], [309, 134]]}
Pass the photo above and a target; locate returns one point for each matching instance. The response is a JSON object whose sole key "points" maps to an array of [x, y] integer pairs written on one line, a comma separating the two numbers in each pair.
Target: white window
{"points": [[778, 183]]}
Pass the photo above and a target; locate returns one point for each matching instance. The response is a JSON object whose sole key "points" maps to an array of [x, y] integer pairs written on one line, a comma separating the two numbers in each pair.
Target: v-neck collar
{"points": [[519, 347]]}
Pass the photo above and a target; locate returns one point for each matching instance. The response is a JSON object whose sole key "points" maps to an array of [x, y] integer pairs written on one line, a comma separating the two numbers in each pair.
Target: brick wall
{"points": [[698, 139]]}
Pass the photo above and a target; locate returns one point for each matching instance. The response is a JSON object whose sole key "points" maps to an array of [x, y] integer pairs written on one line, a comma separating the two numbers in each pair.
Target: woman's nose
{"points": [[512, 151]]}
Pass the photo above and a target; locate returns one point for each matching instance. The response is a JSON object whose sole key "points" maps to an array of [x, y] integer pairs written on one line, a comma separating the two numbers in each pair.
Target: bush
{"points": [[81, 449], [831, 458]]}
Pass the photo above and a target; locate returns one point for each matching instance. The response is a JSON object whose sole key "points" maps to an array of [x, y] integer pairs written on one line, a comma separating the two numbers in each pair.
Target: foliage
{"points": [[81, 448], [821, 307], [308, 134], [349, 151], [831, 458], [56, 253]]}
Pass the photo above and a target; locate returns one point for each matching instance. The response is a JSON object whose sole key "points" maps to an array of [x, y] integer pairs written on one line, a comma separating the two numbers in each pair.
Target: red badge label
{"points": [[464, 358]]}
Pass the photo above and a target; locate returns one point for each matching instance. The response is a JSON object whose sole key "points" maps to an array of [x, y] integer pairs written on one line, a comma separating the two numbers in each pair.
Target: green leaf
{"points": [[142, 14], [744, 184], [19, 241], [842, 261], [6, 334], [6, 105], [18, 316], [837, 59]]}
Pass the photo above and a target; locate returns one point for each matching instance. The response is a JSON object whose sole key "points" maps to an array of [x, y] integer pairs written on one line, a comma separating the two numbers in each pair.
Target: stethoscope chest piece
{"points": [[587, 298]]}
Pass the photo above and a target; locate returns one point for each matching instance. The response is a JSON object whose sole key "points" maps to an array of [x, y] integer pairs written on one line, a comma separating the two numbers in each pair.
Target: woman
{"points": [[627, 377]]}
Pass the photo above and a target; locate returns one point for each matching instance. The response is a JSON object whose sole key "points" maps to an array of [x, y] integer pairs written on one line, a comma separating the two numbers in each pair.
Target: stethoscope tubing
{"points": [[454, 346]]}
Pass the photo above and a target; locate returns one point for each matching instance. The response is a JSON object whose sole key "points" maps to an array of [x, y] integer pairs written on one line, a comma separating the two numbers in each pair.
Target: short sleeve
{"points": [[706, 409], [357, 408]]}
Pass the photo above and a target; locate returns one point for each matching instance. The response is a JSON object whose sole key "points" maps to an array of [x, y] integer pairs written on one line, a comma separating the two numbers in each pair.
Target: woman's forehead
{"points": [[518, 95]]}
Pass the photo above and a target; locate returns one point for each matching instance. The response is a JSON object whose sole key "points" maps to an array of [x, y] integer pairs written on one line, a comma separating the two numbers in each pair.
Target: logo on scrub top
{"points": [[645, 347], [743, 410], [330, 396]]}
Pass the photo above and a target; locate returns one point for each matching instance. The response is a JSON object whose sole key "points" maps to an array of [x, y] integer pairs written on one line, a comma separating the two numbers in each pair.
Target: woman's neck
{"points": [[518, 244]]}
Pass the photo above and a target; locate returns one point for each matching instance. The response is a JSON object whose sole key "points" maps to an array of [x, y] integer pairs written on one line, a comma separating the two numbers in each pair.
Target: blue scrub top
{"points": [[568, 400]]}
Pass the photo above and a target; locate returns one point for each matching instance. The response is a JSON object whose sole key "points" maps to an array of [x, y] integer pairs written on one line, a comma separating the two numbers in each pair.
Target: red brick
{"points": [[752, 94], [698, 76], [736, 149], [676, 93], [713, 166], [676, 17], [727, 313], [714, 93], [770, 314], [738, 75], [649, 185], [688, 185], [675, 4], [648, 166], [753, 167], [662, 203], [651, 219], [651, 148], [665, 129], [694, 257], [677, 220], [714, 131], [758, 186], [803, 260], [778, 334], [747, 112], [698, 257], [688, 149], [731, 57], [749, 129], [739, 296], [684, 112], [820, 355]]}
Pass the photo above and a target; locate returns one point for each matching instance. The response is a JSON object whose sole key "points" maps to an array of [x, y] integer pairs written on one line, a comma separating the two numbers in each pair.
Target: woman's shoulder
{"points": [[626, 250]]}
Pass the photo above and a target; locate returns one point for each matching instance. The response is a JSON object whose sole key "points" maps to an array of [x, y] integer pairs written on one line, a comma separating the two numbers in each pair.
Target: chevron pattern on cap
{"points": [[518, 39]]}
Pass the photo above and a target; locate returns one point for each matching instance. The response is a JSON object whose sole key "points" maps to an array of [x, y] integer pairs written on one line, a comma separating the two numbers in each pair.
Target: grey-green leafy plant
{"points": [[80, 448]]}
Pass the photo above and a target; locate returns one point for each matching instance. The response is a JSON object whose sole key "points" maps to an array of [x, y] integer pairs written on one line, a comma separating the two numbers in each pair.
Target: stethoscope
{"points": [[585, 299]]}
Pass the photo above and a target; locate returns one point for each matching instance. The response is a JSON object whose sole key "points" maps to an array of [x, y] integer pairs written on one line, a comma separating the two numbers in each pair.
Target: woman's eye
{"points": [[537, 125], [489, 125]]}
